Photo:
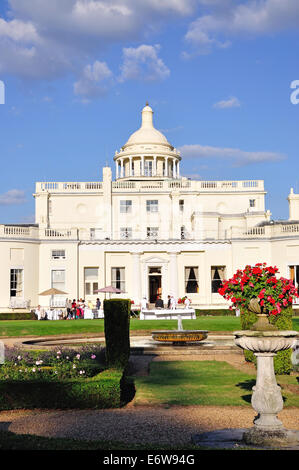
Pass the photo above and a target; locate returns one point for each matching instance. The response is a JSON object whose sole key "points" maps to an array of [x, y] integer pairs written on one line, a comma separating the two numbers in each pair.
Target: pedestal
{"points": [[267, 400]]}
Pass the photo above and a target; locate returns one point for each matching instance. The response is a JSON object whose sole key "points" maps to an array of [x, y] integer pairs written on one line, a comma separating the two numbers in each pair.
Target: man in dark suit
{"points": [[159, 302]]}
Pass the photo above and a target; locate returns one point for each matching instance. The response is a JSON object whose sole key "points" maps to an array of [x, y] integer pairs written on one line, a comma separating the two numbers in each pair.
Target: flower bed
{"points": [[58, 379]]}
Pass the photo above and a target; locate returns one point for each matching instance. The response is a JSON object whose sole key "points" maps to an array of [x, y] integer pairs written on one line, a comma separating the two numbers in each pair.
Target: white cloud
{"points": [[95, 80], [231, 102], [236, 156], [45, 39], [12, 197], [241, 18], [143, 63]]}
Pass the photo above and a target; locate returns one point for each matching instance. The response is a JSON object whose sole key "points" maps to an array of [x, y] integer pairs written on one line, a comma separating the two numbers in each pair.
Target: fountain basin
{"points": [[180, 336], [265, 341]]}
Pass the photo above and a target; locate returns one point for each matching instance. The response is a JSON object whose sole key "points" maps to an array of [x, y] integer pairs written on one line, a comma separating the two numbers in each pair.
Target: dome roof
{"points": [[147, 134]]}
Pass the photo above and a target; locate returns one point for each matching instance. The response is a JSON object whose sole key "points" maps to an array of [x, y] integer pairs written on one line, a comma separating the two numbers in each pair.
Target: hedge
{"points": [[283, 321], [18, 316], [214, 312], [117, 332], [100, 391]]}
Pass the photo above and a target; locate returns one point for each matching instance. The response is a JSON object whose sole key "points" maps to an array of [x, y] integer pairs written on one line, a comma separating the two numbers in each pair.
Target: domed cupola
{"points": [[147, 153]]}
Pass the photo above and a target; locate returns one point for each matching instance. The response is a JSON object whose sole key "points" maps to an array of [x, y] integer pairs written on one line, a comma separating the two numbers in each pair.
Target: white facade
{"points": [[150, 231]]}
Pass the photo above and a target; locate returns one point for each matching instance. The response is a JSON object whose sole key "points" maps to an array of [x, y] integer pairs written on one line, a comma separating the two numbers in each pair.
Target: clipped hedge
{"points": [[282, 361], [117, 332], [215, 312], [100, 391], [18, 316]]}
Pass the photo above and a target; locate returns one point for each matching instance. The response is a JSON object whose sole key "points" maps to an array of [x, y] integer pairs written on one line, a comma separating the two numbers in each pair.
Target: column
{"points": [[173, 275], [173, 169], [142, 165], [130, 164], [178, 172], [166, 166], [116, 169], [136, 280], [122, 168], [155, 166]]}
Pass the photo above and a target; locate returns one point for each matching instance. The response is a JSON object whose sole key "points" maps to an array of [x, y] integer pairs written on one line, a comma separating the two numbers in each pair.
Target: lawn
{"points": [[198, 383], [68, 327]]}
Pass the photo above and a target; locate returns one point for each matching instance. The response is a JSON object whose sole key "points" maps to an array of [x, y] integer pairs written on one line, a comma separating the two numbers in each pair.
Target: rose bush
{"points": [[259, 282]]}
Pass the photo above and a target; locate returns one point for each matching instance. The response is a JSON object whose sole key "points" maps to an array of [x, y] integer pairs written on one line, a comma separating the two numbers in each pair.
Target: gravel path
{"points": [[168, 425]]}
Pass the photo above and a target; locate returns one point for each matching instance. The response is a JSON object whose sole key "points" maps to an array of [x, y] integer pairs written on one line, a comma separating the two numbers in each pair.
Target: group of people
{"points": [[73, 310], [171, 303]]}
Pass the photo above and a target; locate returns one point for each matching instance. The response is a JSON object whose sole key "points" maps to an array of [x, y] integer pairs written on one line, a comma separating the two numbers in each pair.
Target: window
{"points": [[148, 168], [125, 206], [252, 202], [152, 206], [90, 281], [294, 275], [16, 283], [217, 276], [118, 278], [181, 205], [126, 233], [191, 280], [58, 279], [152, 232], [58, 254]]}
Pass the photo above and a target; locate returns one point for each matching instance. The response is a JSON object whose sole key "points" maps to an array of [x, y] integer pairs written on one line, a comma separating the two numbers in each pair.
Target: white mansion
{"points": [[150, 231]]}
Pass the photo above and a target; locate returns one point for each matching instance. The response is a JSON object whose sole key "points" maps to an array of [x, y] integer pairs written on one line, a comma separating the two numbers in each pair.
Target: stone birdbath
{"points": [[265, 340]]}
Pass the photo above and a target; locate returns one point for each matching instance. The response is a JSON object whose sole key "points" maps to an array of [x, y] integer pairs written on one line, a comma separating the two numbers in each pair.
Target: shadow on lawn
{"points": [[246, 385]]}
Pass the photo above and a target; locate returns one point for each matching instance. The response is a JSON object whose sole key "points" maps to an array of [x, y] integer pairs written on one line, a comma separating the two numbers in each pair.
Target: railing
{"points": [[68, 186], [35, 233], [19, 303], [15, 231], [192, 185], [59, 233]]}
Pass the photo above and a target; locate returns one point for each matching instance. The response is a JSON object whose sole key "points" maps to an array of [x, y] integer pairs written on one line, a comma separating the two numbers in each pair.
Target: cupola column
{"points": [[178, 173], [142, 165], [173, 168], [116, 169], [130, 164], [122, 168], [155, 166]]}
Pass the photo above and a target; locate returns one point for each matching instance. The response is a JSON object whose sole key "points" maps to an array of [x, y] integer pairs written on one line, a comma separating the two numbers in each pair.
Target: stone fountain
{"points": [[264, 340], [266, 399], [179, 337]]}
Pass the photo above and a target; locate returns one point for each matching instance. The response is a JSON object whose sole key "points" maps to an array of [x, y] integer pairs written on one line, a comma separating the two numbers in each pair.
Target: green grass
{"points": [[60, 327], [203, 383]]}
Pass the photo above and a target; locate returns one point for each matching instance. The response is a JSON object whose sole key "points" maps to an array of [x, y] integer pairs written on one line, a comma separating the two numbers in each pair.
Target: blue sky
{"points": [[216, 73]]}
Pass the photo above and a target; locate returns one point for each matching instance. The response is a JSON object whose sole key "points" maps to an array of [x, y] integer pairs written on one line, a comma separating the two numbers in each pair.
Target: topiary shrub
{"points": [[117, 332], [283, 321]]}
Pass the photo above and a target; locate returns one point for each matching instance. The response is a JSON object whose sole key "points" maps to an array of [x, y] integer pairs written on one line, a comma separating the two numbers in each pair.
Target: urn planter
{"points": [[267, 400]]}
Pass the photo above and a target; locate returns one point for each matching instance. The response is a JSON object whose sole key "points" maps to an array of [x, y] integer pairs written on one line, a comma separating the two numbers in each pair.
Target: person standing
{"points": [[144, 304], [172, 303], [187, 302], [168, 302], [98, 304]]}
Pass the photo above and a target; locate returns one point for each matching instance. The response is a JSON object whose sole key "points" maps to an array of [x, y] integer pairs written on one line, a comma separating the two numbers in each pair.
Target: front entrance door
{"points": [[154, 287]]}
